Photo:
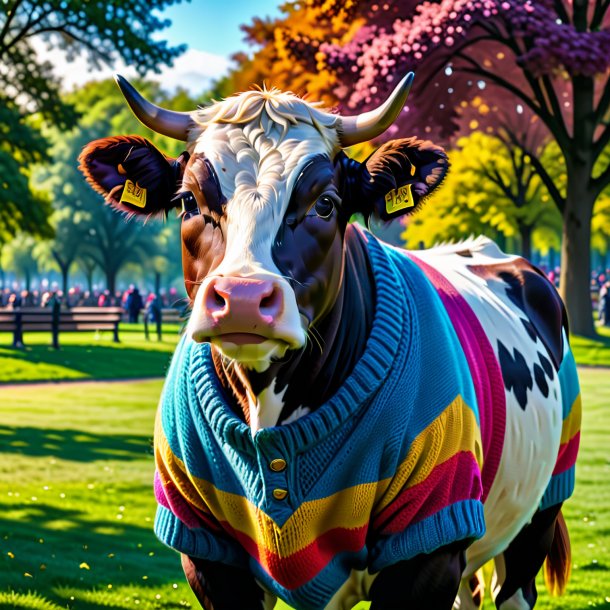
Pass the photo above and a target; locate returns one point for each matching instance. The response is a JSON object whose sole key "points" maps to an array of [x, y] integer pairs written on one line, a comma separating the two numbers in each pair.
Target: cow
{"points": [[344, 420]]}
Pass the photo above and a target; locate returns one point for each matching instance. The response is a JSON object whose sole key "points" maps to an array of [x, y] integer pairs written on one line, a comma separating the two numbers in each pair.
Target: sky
{"points": [[209, 28]]}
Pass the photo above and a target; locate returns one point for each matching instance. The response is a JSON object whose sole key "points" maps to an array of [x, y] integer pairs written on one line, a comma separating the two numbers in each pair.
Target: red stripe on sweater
{"points": [[567, 454], [299, 568], [452, 481]]}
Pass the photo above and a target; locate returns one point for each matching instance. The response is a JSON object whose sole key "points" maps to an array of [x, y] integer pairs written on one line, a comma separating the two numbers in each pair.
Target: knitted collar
{"points": [[390, 327]]}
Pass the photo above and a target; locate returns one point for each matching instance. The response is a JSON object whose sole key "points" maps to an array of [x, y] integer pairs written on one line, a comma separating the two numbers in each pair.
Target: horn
{"points": [[368, 125], [166, 122]]}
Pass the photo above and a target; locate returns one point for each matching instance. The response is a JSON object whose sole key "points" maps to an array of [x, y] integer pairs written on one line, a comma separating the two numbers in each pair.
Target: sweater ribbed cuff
{"points": [[560, 488], [196, 543], [459, 521]]}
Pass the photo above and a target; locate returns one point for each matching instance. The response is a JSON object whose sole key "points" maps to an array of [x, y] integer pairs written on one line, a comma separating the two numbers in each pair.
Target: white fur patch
{"points": [[265, 409]]}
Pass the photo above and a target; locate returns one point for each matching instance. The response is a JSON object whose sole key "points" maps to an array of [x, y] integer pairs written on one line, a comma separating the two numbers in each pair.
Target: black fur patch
{"points": [[541, 380], [516, 373]]}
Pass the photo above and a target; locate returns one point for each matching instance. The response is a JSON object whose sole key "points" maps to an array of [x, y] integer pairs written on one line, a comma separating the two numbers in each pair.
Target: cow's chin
{"points": [[256, 354]]}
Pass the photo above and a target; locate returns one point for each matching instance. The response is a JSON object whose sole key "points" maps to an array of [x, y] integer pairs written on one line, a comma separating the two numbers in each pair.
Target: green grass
{"points": [[87, 355], [76, 504], [593, 352]]}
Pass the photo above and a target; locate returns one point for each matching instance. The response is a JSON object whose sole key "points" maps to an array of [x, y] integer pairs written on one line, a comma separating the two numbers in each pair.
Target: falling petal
{"points": [[84, 566]]}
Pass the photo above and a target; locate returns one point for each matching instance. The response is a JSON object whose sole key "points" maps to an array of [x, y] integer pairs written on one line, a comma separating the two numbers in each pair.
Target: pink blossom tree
{"points": [[548, 59]]}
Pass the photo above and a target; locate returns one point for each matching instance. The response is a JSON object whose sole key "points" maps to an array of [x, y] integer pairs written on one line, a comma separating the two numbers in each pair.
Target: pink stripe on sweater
{"points": [[484, 369]]}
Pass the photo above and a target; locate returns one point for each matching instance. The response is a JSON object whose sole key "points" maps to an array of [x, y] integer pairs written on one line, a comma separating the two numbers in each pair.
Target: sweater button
{"points": [[278, 465], [279, 494]]}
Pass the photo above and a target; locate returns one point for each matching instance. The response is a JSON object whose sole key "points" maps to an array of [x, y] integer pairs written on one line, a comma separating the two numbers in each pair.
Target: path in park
{"points": [[73, 382]]}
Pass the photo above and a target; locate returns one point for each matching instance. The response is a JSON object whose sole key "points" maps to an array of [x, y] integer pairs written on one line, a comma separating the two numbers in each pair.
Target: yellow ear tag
{"points": [[399, 200], [134, 194]]}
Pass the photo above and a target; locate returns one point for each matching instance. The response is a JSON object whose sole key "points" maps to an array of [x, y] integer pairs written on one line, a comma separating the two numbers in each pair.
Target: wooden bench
{"points": [[46, 319]]}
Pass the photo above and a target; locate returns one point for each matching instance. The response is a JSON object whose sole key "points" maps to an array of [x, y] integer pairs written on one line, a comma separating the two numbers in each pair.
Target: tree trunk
{"points": [[89, 277], [575, 278], [64, 283], [111, 281], [28, 280], [157, 283]]}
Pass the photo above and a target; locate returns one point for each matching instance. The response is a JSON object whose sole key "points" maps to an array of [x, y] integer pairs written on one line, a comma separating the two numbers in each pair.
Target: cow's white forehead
{"points": [[257, 142]]}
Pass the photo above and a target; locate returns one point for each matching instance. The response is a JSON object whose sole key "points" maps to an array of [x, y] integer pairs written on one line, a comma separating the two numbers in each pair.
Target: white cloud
{"points": [[194, 70]]}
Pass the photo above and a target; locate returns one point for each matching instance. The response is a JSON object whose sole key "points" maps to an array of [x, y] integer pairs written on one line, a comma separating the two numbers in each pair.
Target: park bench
{"points": [[41, 319]]}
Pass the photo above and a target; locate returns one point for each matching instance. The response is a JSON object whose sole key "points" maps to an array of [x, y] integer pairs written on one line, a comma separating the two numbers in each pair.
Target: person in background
{"points": [[133, 305], [604, 304]]}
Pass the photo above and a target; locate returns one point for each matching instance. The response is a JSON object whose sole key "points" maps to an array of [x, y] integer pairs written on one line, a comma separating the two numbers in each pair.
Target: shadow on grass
{"points": [[96, 361], [64, 556], [76, 445]]}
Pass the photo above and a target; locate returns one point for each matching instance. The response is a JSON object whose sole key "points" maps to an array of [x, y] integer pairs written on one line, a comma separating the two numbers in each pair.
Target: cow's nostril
{"points": [[219, 300], [270, 304]]}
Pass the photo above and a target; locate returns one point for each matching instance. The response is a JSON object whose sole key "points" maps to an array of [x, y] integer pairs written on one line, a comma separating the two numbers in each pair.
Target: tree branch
{"points": [[603, 104], [599, 13], [23, 32], [601, 143], [480, 71], [6, 26], [544, 176]]}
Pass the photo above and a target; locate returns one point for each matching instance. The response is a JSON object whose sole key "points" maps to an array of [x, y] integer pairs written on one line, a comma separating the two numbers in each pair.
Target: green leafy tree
{"points": [[19, 256], [493, 189], [62, 251], [103, 31], [106, 239]]}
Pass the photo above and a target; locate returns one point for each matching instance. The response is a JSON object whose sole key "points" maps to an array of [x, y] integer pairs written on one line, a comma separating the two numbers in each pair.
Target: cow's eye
{"points": [[324, 206]]}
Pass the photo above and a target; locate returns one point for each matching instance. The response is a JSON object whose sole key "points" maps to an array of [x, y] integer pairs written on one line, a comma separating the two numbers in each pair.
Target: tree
{"points": [[22, 208], [18, 256], [100, 235], [62, 251], [29, 91], [550, 56], [492, 189], [285, 51]]}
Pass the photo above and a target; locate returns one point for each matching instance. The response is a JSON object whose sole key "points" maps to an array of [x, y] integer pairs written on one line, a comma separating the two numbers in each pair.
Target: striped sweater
{"points": [[395, 464]]}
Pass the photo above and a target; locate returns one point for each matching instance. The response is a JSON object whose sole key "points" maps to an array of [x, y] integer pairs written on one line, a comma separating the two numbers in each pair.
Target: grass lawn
{"points": [[76, 504], [593, 352], [87, 355]]}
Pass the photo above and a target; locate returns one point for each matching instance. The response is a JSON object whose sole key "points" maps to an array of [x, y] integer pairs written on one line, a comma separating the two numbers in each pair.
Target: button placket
{"points": [[274, 468]]}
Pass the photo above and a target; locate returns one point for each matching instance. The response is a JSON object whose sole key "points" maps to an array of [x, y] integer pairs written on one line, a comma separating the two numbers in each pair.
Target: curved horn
{"points": [[368, 125], [166, 122]]}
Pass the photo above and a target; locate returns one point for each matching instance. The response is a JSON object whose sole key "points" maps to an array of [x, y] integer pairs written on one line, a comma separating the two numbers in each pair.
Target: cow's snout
{"points": [[243, 305], [251, 320]]}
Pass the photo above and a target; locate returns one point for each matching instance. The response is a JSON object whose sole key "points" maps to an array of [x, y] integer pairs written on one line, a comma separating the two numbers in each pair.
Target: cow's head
{"points": [[265, 192]]}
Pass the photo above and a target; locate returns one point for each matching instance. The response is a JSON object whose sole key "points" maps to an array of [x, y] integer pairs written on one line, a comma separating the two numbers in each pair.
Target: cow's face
{"points": [[265, 194]]}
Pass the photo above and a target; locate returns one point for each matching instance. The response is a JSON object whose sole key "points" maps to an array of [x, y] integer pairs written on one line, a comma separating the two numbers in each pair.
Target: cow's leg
{"points": [[221, 587], [471, 592], [426, 582], [517, 567]]}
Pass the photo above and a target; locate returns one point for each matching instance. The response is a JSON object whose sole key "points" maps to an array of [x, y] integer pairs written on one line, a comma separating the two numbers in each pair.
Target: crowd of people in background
{"points": [[131, 300], [134, 302]]}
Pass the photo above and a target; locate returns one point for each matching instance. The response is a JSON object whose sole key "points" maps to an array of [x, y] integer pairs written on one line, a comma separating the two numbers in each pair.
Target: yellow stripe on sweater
{"points": [[348, 508], [571, 424], [453, 431]]}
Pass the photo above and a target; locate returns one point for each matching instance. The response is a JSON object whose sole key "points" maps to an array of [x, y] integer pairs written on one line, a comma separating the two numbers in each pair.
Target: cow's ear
{"points": [[398, 176], [133, 175]]}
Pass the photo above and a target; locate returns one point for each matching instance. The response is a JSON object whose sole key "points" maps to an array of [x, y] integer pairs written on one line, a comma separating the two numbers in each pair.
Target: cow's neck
{"points": [[292, 388]]}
